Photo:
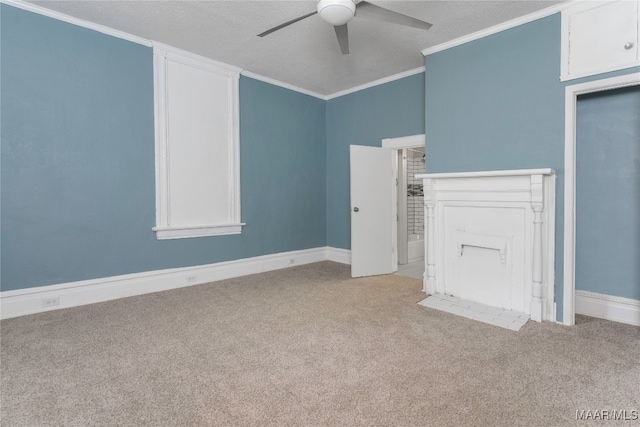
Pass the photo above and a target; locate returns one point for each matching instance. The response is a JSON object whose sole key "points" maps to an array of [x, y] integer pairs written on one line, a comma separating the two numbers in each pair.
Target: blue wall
{"points": [[498, 103], [608, 193], [365, 118], [77, 165]]}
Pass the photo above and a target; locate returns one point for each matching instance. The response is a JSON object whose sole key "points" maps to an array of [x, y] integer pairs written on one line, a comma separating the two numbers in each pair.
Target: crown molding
{"points": [[275, 82], [551, 10], [30, 7], [378, 82], [76, 21], [146, 42], [336, 94], [193, 57]]}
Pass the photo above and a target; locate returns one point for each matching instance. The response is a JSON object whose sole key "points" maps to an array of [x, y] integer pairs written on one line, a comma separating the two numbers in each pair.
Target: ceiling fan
{"points": [[339, 12]]}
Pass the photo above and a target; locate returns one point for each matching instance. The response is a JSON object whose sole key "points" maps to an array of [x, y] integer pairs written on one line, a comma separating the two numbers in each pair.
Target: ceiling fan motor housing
{"points": [[336, 12]]}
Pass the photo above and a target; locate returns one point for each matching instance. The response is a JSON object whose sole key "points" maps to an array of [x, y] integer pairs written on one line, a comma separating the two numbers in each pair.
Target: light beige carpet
{"points": [[306, 346]]}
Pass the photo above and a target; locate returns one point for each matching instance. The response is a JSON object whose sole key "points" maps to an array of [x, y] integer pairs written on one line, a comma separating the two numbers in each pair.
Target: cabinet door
{"points": [[600, 37]]}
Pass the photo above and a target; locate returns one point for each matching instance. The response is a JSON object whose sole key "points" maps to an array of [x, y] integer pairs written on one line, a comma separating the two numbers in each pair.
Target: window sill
{"points": [[166, 233]]}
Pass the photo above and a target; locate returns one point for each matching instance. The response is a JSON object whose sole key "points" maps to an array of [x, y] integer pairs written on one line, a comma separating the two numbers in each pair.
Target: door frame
{"points": [[402, 238], [411, 141], [397, 144], [571, 97]]}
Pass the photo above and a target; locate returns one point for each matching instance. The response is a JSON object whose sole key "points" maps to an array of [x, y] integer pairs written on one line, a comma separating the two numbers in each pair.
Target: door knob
{"points": [[628, 46], [356, 209]]}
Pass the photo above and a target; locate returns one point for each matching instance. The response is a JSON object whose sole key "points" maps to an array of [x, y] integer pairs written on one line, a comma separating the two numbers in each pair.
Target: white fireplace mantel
{"points": [[490, 238], [484, 174]]}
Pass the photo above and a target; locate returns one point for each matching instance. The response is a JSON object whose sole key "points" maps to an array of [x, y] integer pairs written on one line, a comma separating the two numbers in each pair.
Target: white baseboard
{"points": [[618, 309], [46, 298], [342, 256]]}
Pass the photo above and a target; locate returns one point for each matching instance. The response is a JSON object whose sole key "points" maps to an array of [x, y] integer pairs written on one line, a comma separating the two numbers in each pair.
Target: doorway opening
{"points": [[569, 292], [409, 160]]}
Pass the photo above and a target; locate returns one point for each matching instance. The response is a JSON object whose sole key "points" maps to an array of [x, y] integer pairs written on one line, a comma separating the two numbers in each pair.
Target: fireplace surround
{"points": [[490, 238]]}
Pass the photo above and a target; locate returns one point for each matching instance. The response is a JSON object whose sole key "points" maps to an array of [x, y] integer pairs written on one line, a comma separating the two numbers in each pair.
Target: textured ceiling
{"points": [[305, 54]]}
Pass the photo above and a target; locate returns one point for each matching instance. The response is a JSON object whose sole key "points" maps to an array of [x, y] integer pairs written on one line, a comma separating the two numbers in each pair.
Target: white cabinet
{"points": [[599, 36]]}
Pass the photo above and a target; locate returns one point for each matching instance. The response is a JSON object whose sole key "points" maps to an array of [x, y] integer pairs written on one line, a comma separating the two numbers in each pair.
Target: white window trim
{"points": [[163, 227]]}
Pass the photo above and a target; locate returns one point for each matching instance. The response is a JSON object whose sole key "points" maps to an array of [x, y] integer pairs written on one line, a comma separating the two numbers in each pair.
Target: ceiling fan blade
{"points": [[343, 38], [278, 27], [376, 13]]}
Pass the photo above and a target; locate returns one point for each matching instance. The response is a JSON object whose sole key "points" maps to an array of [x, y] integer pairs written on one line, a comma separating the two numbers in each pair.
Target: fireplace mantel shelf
{"points": [[486, 174]]}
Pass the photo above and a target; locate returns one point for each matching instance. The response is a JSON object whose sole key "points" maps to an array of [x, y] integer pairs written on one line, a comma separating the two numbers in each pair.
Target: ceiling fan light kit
{"points": [[336, 12], [339, 12]]}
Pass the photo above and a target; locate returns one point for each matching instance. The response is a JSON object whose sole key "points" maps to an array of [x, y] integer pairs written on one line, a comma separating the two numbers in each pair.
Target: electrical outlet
{"points": [[50, 302], [292, 261], [192, 279]]}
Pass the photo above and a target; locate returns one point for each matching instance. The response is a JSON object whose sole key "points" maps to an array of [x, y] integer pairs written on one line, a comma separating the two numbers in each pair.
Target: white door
{"points": [[373, 211]]}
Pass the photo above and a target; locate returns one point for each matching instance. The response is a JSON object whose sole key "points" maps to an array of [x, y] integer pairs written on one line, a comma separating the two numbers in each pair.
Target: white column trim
{"points": [[537, 204], [430, 285]]}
